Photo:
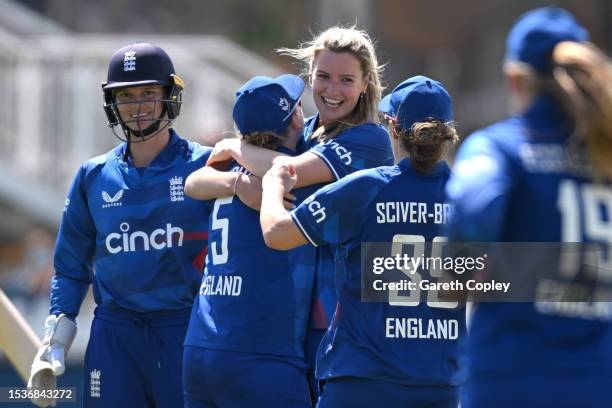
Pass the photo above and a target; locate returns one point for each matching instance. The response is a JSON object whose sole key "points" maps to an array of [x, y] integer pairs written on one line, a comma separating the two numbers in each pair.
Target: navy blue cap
{"points": [[535, 34], [139, 64], [417, 99], [267, 104]]}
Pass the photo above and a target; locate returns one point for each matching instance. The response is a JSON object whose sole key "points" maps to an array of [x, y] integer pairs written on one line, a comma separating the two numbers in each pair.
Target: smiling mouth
{"points": [[141, 115], [332, 103]]}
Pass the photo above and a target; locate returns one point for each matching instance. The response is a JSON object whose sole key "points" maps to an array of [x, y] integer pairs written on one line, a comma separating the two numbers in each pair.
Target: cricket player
{"points": [[377, 354], [129, 230], [343, 136], [245, 343], [542, 175]]}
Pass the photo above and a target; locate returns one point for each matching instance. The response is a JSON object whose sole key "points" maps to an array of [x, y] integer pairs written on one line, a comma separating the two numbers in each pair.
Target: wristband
{"points": [[236, 182]]}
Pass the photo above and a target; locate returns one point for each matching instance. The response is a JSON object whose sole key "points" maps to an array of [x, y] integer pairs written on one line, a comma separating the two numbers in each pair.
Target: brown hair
{"points": [[426, 142], [583, 75], [581, 81], [357, 43], [266, 139]]}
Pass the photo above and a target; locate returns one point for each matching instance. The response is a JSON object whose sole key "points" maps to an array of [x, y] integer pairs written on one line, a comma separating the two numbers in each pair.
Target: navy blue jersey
{"points": [[523, 180], [252, 298], [145, 240], [357, 148], [379, 340]]}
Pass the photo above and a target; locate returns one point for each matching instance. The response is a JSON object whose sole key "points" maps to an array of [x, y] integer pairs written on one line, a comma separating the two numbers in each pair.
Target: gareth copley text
{"points": [[455, 285]]}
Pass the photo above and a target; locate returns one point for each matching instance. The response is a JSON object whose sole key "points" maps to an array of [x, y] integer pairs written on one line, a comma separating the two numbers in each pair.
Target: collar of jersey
{"points": [[438, 169], [546, 118], [311, 125], [163, 159], [309, 128]]}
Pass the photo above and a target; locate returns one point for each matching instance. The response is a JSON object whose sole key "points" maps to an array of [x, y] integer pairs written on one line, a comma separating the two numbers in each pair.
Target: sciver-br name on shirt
{"points": [[389, 212], [221, 285], [417, 328]]}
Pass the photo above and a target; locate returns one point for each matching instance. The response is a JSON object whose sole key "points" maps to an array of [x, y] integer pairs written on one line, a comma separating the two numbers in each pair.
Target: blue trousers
{"points": [[227, 379], [365, 393], [135, 359]]}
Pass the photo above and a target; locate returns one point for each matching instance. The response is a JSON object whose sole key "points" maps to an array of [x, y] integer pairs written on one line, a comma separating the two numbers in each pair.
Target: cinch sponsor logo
{"points": [[343, 153], [315, 208], [127, 241]]}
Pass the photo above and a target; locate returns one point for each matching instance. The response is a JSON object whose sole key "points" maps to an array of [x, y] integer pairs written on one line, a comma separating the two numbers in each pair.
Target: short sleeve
{"points": [[357, 148], [334, 214]]}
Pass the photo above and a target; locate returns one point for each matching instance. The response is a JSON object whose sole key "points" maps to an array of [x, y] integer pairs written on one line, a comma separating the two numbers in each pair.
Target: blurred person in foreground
{"points": [[542, 175], [127, 218]]}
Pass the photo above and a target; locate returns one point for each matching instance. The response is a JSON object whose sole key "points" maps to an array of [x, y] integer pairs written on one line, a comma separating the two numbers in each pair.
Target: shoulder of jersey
{"points": [[101, 160], [374, 175], [190, 150], [198, 151], [504, 130], [368, 128], [506, 134], [386, 172], [368, 133]]}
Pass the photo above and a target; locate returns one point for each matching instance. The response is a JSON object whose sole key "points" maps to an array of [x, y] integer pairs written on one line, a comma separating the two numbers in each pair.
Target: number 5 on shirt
{"points": [[219, 257]]}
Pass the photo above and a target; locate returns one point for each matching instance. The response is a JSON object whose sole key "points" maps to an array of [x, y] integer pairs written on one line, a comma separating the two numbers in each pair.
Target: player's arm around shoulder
{"points": [[333, 214], [357, 148], [256, 159], [279, 230], [208, 183], [310, 169]]}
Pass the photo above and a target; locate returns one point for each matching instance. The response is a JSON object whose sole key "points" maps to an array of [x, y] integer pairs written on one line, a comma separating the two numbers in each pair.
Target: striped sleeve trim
{"points": [[302, 229], [331, 167]]}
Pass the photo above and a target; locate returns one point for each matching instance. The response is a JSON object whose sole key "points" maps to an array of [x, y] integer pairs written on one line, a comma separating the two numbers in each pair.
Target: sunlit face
{"points": [[140, 106], [337, 81]]}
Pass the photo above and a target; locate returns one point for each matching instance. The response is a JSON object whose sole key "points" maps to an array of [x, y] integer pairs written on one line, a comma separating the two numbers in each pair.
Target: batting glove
{"points": [[49, 361]]}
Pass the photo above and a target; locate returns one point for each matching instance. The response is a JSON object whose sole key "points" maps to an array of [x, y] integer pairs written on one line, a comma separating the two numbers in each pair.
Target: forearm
{"points": [[279, 230], [310, 170], [256, 159], [208, 183]]}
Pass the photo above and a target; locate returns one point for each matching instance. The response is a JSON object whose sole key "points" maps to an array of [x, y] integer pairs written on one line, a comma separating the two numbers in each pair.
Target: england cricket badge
{"points": [[176, 189], [95, 377]]}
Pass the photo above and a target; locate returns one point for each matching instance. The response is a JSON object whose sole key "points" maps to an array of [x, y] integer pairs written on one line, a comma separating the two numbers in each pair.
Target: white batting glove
{"points": [[49, 361]]}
